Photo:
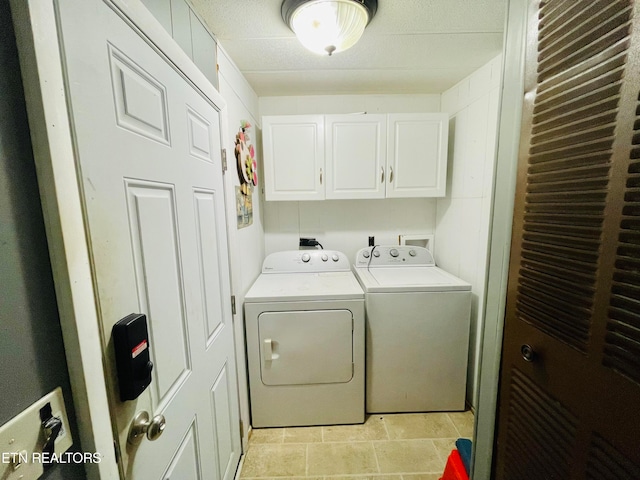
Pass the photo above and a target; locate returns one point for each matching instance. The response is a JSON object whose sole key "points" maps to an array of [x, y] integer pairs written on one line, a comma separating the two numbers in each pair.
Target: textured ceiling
{"points": [[410, 46]]}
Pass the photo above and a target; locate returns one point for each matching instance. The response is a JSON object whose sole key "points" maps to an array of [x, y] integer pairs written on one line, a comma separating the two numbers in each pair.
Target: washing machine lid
{"points": [[291, 287], [409, 279]]}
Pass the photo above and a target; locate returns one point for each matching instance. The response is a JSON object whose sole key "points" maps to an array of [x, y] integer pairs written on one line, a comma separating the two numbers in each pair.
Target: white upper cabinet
{"points": [[355, 149], [313, 157], [417, 155], [293, 150]]}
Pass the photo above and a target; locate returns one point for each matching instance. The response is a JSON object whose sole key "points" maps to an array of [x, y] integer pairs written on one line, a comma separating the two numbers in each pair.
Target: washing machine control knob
{"points": [[335, 257], [324, 257], [376, 253], [306, 257], [366, 254], [412, 253], [393, 252]]}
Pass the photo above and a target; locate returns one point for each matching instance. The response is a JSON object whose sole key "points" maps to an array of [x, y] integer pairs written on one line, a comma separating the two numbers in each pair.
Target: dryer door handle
{"points": [[267, 350]]}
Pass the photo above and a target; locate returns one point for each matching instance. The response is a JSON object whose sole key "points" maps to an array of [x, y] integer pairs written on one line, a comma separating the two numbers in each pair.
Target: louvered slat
{"points": [[581, 55], [540, 433], [584, 30], [589, 177], [606, 463], [622, 343]]}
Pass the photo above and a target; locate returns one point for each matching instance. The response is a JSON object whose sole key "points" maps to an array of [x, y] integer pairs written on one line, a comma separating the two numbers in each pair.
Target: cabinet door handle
{"points": [[390, 174], [320, 176], [381, 175]]}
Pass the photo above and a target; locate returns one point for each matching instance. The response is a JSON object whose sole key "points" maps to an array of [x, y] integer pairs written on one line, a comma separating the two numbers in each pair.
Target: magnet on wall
{"points": [[246, 159], [247, 175]]}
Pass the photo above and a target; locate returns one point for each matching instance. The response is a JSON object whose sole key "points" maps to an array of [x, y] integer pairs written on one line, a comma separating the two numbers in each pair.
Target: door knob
{"points": [[143, 426], [528, 353]]}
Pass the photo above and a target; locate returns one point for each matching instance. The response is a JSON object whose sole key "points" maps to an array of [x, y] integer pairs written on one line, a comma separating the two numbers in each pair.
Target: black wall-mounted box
{"points": [[131, 343]]}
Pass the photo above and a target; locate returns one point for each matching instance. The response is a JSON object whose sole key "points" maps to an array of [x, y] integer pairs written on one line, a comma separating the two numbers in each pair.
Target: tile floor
{"points": [[386, 447]]}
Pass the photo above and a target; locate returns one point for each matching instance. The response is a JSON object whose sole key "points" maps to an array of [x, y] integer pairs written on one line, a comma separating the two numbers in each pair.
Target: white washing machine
{"points": [[417, 329], [304, 320]]}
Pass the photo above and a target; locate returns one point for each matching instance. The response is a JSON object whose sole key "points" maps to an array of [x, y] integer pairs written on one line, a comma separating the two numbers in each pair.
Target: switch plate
{"points": [[23, 436]]}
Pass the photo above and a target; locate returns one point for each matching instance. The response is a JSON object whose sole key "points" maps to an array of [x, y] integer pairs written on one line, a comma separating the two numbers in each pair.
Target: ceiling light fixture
{"points": [[328, 26]]}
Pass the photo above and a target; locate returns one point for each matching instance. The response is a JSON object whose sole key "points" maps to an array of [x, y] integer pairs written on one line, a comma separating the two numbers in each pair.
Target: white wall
{"points": [[346, 225], [328, 104], [246, 245], [460, 221], [463, 216]]}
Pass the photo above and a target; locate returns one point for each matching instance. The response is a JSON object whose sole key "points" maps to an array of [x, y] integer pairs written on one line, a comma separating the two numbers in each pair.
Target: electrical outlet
{"points": [[22, 439], [308, 242]]}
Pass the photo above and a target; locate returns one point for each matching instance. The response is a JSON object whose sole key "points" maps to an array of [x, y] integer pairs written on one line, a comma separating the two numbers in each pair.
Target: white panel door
{"points": [[293, 150], [148, 150], [417, 154], [355, 149]]}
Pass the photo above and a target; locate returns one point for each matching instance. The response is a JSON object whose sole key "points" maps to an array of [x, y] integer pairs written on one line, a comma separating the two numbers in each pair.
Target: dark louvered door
{"points": [[570, 382]]}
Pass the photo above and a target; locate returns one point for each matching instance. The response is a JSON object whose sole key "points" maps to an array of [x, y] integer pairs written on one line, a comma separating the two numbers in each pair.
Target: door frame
{"points": [[65, 222], [54, 155], [510, 118]]}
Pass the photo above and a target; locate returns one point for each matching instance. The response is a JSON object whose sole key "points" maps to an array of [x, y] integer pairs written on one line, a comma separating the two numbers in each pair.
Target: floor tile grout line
{"points": [[375, 455], [349, 441], [454, 425], [443, 461], [386, 429], [354, 475]]}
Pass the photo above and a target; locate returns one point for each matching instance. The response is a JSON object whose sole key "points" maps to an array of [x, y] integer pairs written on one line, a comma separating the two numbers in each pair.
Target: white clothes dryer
{"points": [[417, 330], [304, 319]]}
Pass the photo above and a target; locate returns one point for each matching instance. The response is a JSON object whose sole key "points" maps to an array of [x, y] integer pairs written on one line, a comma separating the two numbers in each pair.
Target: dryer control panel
{"points": [[306, 261], [393, 256]]}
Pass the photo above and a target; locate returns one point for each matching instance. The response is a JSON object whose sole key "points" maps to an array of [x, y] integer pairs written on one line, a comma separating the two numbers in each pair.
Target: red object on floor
{"points": [[454, 470]]}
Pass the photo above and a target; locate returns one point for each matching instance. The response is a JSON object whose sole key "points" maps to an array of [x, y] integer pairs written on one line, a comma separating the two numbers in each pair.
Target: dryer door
{"points": [[306, 347]]}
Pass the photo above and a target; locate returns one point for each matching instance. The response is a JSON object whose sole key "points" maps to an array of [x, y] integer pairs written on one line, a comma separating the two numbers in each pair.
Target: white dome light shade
{"points": [[328, 26]]}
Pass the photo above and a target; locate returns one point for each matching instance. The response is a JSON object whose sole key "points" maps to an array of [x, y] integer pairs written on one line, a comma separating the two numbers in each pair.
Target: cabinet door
{"points": [[205, 49], [355, 150], [417, 155], [181, 25], [293, 149], [161, 10]]}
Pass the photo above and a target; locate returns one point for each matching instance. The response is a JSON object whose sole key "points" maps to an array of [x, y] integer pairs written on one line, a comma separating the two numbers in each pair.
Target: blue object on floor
{"points": [[464, 448]]}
